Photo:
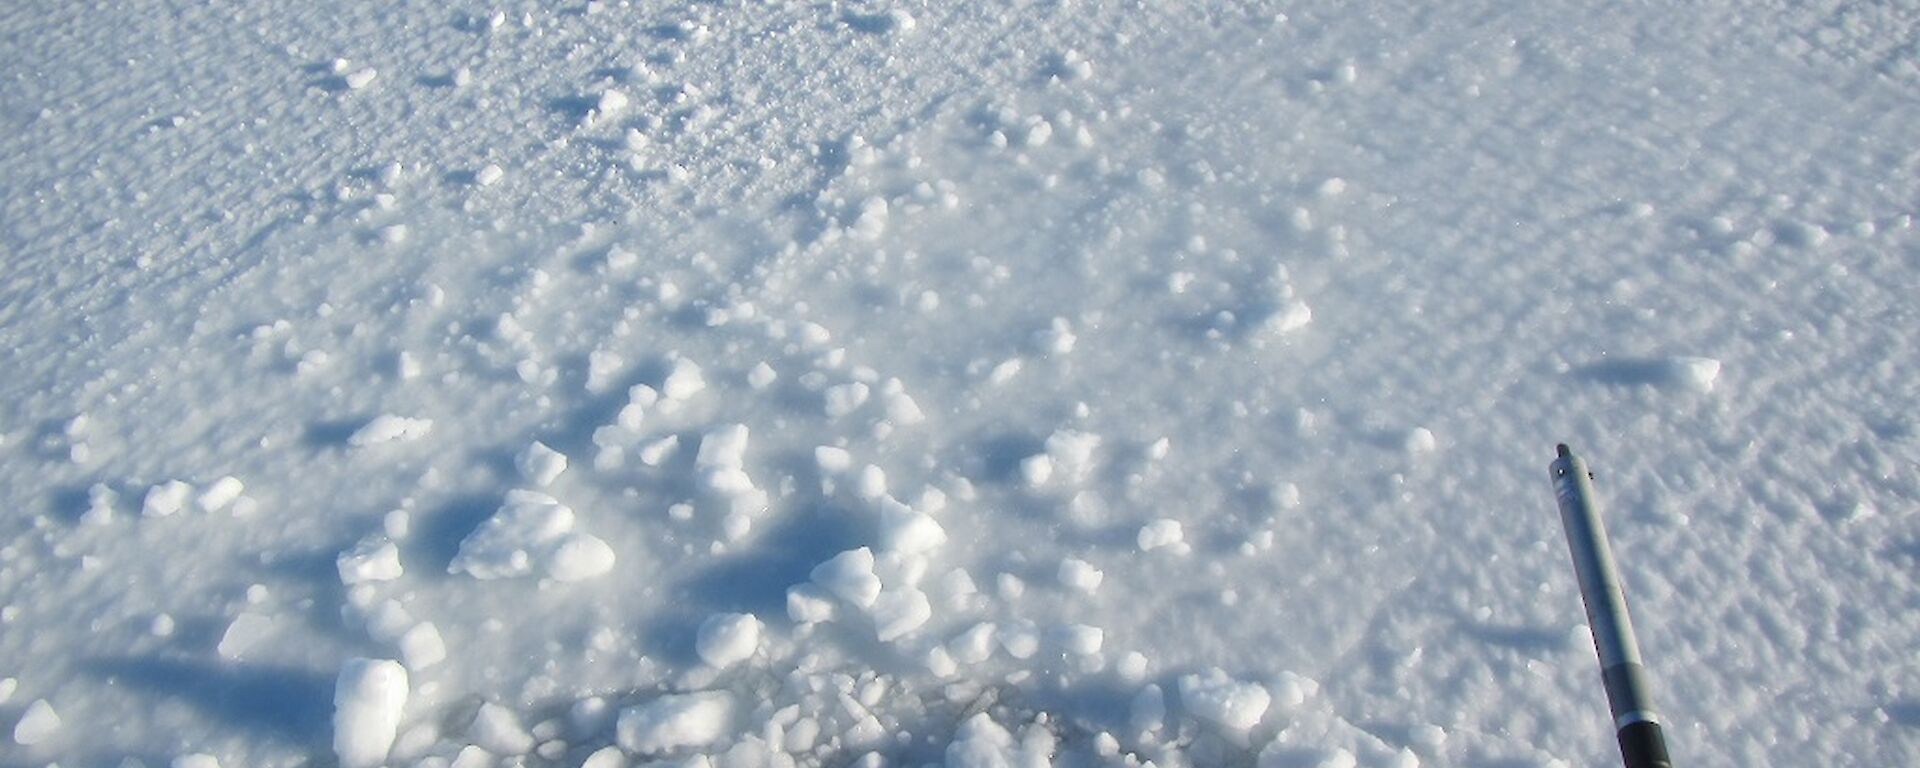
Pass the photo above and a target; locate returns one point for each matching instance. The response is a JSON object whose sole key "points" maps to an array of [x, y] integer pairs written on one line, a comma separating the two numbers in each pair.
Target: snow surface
{"points": [[1076, 382]]}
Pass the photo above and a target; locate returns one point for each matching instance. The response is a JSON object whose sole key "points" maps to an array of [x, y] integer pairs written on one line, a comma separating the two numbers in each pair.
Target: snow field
{"points": [[983, 384]]}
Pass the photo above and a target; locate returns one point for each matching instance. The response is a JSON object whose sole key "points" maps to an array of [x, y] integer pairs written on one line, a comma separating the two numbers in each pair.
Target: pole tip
{"points": [[1562, 451]]}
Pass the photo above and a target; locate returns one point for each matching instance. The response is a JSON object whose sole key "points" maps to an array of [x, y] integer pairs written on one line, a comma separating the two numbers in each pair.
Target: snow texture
{"points": [[1088, 383]]}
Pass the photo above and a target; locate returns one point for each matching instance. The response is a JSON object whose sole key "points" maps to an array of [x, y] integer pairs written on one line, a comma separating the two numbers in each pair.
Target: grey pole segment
{"points": [[1636, 723]]}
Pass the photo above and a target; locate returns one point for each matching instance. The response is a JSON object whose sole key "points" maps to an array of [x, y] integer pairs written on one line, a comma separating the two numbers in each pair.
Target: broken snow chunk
{"points": [[488, 175], [1162, 533], [1036, 470], [762, 376], [368, 697], [579, 557], [897, 613], [723, 447], [1082, 640], [531, 530], [871, 221], [1419, 440], [1080, 575], [223, 492], [832, 460], [497, 729], [540, 465], [1292, 689], [602, 366], [101, 499], [609, 102], [374, 558], [656, 452], [849, 576], [726, 639], [165, 499], [982, 743], [675, 721], [908, 531], [1215, 697], [422, 646], [246, 631], [809, 604], [871, 483], [974, 645], [37, 724], [683, 380], [1072, 453], [1020, 640], [388, 428], [1695, 373], [361, 79], [1292, 315], [846, 398], [903, 411]]}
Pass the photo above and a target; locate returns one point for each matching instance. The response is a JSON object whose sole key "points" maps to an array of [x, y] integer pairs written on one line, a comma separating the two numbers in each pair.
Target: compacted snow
{"points": [[905, 383]]}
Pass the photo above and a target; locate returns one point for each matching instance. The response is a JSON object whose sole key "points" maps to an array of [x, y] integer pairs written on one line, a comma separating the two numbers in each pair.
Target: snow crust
{"points": [[1085, 386]]}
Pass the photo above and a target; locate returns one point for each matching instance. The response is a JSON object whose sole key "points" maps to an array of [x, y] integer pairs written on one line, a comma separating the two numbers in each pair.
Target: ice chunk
{"points": [[1080, 575], [165, 499], [849, 576], [1162, 533], [540, 465], [981, 743], [809, 604], [374, 558], [723, 448], [421, 647], [1695, 373], [497, 729], [1081, 639], [367, 700], [579, 557], [908, 531], [1036, 470], [606, 757], [897, 613], [762, 376], [243, 633], [223, 492], [675, 721], [683, 380], [489, 175], [388, 428], [531, 530], [726, 639], [37, 724], [1214, 696]]}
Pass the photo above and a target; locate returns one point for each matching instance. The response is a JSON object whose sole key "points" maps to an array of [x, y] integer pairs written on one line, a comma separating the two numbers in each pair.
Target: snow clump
{"points": [[37, 724], [368, 697], [540, 465], [1215, 697], [675, 721], [531, 531], [726, 639]]}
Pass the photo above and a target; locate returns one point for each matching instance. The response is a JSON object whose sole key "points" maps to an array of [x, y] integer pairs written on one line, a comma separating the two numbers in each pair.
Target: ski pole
{"points": [[1634, 719]]}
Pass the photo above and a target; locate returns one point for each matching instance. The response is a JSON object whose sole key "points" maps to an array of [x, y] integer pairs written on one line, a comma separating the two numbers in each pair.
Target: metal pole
{"points": [[1634, 719]]}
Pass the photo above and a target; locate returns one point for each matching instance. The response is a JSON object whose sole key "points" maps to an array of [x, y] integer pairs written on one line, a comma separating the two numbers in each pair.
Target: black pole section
{"points": [[1638, 725]]}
